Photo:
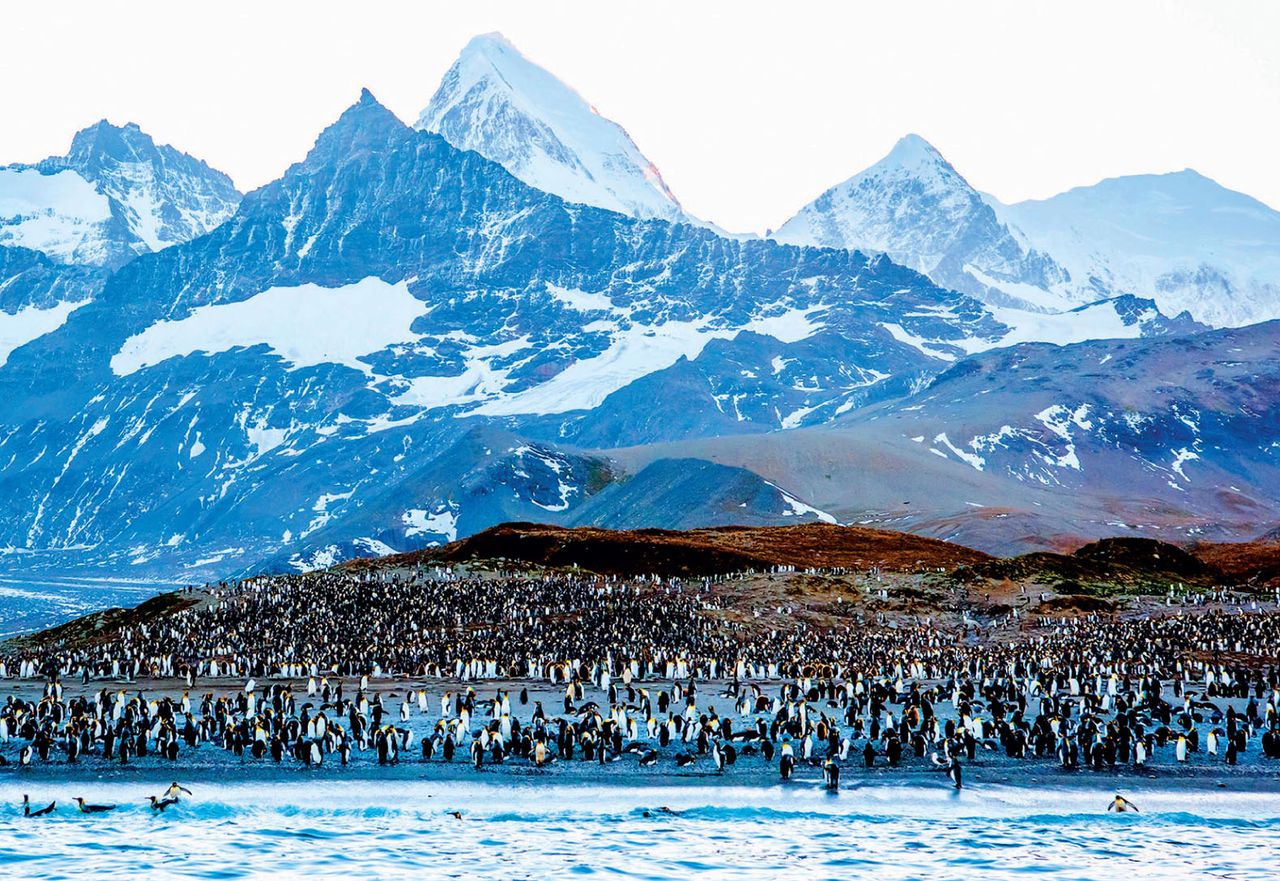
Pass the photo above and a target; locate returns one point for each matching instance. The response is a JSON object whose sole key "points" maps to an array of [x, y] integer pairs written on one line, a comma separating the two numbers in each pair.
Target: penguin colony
{"points": [[332, 668]]}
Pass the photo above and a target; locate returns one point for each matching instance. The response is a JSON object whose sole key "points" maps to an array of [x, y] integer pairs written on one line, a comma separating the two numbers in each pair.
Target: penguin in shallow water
{"points": [[955, 773], [160, 804], [42, 812], [92, 809], [786, 765], [175, 790], [831, 774], [1120, 804]]}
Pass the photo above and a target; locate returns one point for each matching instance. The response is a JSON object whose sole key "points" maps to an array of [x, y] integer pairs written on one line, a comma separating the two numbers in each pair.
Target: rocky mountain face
{"points": [[412, 336], [1176, 437], [66, 222], [372, 347], [1179, 240], [37, 295], [1036, 447], [116, 194]]}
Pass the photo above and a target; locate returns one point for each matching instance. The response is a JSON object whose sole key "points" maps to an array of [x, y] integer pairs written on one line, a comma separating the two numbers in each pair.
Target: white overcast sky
{"points": [[749, 109]]}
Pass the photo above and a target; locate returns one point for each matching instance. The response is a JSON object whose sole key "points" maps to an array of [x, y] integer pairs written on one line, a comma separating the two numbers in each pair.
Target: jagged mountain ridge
{"points": [[67, 221], [277, 375], [116, 194], [537, 332], [915, 207]]}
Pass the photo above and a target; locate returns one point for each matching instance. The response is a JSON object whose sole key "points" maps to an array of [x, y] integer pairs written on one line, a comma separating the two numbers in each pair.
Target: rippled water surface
{"points": [[401, 830]]}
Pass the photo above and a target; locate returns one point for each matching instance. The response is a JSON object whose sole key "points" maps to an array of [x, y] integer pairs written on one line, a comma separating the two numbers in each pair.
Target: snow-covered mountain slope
{"points": [[1170, 437], [399, 342], [913, 206], [37, 295], [116, 194], [57, 213], [1179, 240], [1182, 239], [508, 109], [370, 350]]}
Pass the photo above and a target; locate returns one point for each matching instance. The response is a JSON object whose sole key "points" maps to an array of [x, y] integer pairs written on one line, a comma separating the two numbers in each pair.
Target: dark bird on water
{"points": [[44, 811]]}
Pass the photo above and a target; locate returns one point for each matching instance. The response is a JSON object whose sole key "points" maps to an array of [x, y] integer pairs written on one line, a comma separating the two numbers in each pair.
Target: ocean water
{"points": [[28, 604], [515, 830]]}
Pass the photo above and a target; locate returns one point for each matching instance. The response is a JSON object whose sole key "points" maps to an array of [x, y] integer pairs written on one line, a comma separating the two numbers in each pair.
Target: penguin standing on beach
{"points": [[787, 763], [955, 773]]}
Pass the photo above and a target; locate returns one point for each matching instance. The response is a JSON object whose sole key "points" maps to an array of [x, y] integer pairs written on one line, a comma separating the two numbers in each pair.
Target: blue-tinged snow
{"points": [[30, 323], [116, 194], [304, 325], [498, 103], [1181, 238], [61, 214]]}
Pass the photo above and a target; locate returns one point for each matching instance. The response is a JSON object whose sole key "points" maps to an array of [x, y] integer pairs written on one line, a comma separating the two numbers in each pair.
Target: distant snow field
{"points": [[30, 323], [304, 325], [60, 214]]}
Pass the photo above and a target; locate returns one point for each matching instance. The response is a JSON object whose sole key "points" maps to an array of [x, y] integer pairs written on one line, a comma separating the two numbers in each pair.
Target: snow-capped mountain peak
{"points": [[498, 103], [116, 194], [914, 153], [1179, 239], [915, 207]]}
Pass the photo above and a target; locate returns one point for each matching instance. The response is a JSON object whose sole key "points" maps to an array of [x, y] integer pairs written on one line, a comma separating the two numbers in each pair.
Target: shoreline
{"points": [[1253, 777]]}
